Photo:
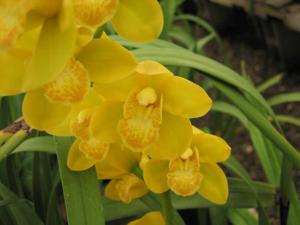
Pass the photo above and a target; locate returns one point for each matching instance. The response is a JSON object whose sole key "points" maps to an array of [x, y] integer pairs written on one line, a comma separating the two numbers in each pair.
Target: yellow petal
{"points": [[155, 74], [12, 19], [196, 130], [46, 7], [147, 74], [66, 128], [149, 67], [175, 137], [28, 40], [140, 21], [155, 175], [150, 218], [66, 15], [184, 176], [84, 36], [120, 89], [184, 98], [211, 148], [94, 13], [105, 120], [139, 127], [12, 67], [62, 129], [77, 161], [118, 162], [40, 113], [126, 188], [58, 50], [214, 186], [106, 60]]}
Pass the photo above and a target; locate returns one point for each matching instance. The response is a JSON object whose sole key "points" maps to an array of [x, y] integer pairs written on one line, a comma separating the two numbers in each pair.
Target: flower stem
{"points": [[12, 136], [4, 136], [12, 142], [170, 214]]}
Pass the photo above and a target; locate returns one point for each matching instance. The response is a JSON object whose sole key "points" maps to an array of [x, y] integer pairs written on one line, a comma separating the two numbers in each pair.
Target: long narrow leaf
{"points": [[39, 144], [284, 98], [81, 190], [262, 123]]}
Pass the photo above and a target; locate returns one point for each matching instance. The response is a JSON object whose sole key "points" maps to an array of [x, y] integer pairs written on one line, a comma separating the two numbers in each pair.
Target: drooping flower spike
{"points": [[156, 108], [35, 43], [140, 21], [196, 170], [150, 218]]}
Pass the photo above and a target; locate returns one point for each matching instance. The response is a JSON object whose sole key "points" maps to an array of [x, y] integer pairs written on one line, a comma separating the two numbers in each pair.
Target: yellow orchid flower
{"points": [[156, 108], [34, 46], [140, 21], [59, 101], [196, 170], [149, 219]]}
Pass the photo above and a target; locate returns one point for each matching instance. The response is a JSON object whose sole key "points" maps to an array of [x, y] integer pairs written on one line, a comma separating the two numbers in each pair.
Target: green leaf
{"points": [[241, 217], [169, 9], [265, 151], [53, 216], [201, 23], [22, 213], [229, 109], [37, 144], [81, 190], [217, 216], [288, 119], [241, 196], [238, 169], [200, 44], [261, 123], [182, 37], [284, 98], [270, 83], [269, 159], [41, 183]]}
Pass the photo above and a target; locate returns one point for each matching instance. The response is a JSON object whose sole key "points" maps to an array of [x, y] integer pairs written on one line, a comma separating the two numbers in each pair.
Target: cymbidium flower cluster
{"points": [[125, 115]]}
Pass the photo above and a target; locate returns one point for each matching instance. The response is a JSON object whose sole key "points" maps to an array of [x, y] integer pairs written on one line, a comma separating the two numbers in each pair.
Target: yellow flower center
{"points": [[142, 117], [146, 97], [12, 19], [95, 13], [70, 86], [94, 149], [187, 154], [184, 176]]}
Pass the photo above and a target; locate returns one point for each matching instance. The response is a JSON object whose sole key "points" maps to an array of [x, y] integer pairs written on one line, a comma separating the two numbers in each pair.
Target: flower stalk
{"points": [[12, 136], [170, 214]]}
